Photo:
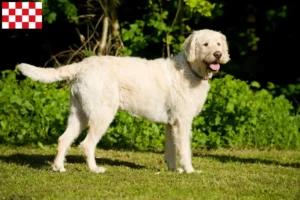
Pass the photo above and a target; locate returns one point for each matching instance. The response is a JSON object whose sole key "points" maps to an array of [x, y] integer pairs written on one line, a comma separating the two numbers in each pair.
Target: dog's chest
{"points": [[200, 94], [192, 100]]}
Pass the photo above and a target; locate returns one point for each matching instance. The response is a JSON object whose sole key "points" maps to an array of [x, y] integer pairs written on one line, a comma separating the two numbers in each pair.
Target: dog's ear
{"points": [[189, 48], [225, 52]]}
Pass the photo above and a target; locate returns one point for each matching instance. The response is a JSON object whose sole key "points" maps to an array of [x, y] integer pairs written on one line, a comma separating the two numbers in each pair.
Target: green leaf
{"points": [[230, 107], [270, 86], [51, 17], [255, 84], [40, 145], [3, 124]]}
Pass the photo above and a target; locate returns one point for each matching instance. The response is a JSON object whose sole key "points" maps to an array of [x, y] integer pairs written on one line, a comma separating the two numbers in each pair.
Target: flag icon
{"points": [[22, 15]]}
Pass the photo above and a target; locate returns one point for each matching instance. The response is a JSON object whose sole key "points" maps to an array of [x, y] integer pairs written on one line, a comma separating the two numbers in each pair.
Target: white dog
{"points": [[170, 91]]}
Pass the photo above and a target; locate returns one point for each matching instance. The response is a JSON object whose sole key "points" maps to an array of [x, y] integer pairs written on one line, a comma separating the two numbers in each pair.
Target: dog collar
{"points": [[195, 73]]}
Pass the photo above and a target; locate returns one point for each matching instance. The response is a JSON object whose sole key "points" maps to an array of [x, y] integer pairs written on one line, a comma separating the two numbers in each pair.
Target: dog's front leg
{"points": [[182, 135], [170, 148]]}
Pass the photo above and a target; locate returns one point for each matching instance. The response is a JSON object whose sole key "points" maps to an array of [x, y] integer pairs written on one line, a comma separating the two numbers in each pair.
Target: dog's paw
{"points": [[98, 170], [189, 170], [181, 170], [171, 166], [58, 169]]}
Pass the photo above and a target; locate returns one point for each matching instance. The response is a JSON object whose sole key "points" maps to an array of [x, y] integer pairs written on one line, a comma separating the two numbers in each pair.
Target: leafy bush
{"points": [[234, 115], [290, 91], [31, 111], [160, 24], [133, 133], [53, 9]]}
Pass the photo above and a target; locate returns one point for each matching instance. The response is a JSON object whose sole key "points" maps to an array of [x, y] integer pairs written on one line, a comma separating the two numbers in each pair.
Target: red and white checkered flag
{"points": [[22, 15]]}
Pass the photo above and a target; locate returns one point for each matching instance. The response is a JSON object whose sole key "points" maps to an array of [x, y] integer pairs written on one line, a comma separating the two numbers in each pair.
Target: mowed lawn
{"points": [[25, 173]]}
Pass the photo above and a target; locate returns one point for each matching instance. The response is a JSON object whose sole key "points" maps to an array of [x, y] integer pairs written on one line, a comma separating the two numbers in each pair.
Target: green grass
{"points": [[25, 173]]}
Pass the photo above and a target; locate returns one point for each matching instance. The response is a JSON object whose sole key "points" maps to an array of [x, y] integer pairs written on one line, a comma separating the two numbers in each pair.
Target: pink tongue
{"points": [[214, 67]]}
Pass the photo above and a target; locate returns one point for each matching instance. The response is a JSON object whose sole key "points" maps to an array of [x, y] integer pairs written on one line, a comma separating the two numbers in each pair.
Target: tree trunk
{"points": [[104, 35]]}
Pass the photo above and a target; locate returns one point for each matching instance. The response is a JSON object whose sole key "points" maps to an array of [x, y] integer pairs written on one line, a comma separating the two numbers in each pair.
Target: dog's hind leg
{"points": [[77, 122], [99, 121]]}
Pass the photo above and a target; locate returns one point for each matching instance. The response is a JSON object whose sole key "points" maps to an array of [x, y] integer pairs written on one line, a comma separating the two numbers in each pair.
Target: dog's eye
{"points": [[219, 44], [205, 44]]}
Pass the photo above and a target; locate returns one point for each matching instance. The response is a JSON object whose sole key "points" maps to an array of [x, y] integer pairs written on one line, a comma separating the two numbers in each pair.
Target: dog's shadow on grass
{"points": [[230, 158], [40, 161]]}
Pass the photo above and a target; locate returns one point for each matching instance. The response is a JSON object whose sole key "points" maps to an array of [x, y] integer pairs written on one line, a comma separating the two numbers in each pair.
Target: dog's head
{"points": [[205, 50]]}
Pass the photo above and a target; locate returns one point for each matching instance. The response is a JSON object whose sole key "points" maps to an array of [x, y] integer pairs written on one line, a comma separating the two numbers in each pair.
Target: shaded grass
{"points": [[25, 173]]}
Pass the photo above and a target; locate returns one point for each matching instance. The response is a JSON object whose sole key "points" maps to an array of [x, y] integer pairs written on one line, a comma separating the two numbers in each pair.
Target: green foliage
{"points": [[88, 53], [162, 26], [134, 37], [289, 89], [31, 112], [233, 116], [202, 7], [133, 133], [278, 13], [54, 8]]}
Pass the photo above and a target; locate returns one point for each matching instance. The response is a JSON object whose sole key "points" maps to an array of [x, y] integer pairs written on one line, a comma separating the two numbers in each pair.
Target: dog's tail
{"points": [[50, 75]]}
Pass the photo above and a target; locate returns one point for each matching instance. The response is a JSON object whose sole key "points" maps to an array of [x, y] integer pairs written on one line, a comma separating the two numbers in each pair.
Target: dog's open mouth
{"points": [[215, 66]]}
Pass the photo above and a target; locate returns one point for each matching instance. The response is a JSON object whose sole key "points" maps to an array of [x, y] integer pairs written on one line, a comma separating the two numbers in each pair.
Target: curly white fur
{"points": [[169, 91]]}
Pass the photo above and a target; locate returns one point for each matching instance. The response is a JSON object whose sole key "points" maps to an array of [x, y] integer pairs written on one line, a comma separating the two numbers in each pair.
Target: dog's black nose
{"points": [[218, 54]]}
